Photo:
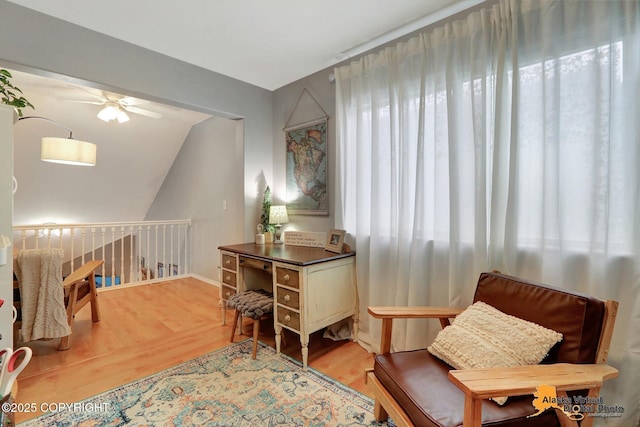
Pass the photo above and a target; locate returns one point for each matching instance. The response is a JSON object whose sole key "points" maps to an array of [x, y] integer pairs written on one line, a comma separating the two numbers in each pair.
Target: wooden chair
{"points": [[79, 288], [416, 388]]}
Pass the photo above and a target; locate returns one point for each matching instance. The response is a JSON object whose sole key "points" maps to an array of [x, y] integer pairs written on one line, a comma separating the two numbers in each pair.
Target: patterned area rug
{"points": [[225, 388]]}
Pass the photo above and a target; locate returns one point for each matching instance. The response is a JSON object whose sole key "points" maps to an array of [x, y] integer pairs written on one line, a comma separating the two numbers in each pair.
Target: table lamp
{"points": [[278, 216]]}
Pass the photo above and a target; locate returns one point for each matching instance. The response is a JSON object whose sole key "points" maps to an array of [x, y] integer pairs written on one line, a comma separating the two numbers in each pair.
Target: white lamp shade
{"points": [[68, 151], [278, 215]]}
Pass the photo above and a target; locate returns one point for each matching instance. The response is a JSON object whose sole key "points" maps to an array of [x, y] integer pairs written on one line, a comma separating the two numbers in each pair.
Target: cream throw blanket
{"points": [[39, 273]]}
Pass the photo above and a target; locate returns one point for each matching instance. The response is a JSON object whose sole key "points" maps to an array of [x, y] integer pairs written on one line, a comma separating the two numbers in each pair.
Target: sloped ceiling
{"points": [[264, 43]]}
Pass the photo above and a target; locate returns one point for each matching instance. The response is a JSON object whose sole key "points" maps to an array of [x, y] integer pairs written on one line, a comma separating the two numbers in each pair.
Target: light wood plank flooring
{"points": [[149, 328]]}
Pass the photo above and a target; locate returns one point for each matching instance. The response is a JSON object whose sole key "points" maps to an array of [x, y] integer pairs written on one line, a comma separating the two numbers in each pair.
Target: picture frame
{"points": [[335, 240], [306, 168]]}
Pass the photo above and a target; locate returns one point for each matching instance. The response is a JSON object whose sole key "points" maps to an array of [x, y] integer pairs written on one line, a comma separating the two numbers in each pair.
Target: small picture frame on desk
{"points": [[335, 240]]}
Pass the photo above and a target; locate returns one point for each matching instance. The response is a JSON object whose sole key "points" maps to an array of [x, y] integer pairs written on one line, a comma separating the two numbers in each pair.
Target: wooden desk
{"points": [[312, 288]]}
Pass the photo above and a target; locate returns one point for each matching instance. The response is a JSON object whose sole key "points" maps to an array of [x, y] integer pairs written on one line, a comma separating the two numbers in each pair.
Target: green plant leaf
{"points": [[10, 94]]}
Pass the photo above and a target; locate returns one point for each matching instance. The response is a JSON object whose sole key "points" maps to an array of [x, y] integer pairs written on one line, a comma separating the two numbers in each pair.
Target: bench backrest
{"points": [[578, 317]]}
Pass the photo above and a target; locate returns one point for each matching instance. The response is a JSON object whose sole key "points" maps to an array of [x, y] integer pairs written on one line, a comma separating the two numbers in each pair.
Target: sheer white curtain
{"points": [[507, 140]]}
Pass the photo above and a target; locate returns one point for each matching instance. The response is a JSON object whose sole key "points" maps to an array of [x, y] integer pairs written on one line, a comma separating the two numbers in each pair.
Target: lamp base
{"points": [[277, 238]]}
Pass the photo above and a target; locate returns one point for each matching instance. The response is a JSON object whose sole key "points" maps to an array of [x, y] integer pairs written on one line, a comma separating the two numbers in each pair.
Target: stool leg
{"points": [[256, 332], [235, 324]]}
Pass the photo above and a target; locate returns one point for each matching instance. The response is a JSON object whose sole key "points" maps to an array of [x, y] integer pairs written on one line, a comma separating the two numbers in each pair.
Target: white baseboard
{"points": [[205, 280], [160, 280]]}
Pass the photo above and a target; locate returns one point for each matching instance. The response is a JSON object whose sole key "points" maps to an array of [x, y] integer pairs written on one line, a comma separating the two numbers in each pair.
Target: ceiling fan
{"points": [[116, 106]]}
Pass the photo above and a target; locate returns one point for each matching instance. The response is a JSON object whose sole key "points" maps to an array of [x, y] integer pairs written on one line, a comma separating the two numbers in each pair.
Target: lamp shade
{"points": [[68, 151], [278, 215]]}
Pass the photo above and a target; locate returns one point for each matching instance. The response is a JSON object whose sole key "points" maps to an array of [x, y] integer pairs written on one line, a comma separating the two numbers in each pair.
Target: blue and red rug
{"points": [[224, 388]]}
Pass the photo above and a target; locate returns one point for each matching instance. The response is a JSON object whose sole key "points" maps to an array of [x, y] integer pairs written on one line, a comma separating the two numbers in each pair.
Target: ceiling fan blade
{"points": [[130, 101], [86, 102], [81, 92], [142, 112]]}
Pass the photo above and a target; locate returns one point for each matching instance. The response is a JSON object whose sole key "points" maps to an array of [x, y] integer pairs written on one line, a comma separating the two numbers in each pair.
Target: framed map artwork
{"points": [[307, 169]]}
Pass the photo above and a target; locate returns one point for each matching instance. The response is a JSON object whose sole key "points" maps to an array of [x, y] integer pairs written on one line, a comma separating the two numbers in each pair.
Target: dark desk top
{"points": [[297, 255]]}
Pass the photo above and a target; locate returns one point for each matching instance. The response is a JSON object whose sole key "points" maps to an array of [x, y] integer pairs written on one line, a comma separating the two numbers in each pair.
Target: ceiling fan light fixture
{"points": [[122, 116], [108, 113]]}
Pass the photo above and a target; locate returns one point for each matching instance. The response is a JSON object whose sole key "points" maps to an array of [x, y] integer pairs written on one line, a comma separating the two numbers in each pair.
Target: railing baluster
{"points": [[156, 251], [121, 275], [187, 254], [83, 233], [171, 250], [180, 261], [140, 277], [71, 234], [113, 256], [104, 257], [166, 267], [185, 270], [148, 253], [93, 243], [131, 264]]}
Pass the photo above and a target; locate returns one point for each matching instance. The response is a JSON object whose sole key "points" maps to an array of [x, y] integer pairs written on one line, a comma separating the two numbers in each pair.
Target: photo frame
{"points": [[306, 168], [335, 240]]}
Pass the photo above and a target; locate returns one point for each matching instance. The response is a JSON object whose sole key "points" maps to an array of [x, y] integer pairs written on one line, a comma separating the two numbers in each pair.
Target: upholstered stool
{"points": [[253, 304]]}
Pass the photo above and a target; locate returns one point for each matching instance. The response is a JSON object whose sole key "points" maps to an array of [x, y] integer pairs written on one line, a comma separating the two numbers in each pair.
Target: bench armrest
{"points": [[480, 384], [522, 380], [387, 314], [82, 273]]}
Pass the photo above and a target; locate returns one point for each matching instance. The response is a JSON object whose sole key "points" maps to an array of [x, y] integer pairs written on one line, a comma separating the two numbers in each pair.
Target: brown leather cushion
{"points": [[419, 383], [576, 316]]}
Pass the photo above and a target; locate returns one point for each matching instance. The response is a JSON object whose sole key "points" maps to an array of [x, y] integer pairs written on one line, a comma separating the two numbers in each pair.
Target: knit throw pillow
{"points": [[484, 337]]}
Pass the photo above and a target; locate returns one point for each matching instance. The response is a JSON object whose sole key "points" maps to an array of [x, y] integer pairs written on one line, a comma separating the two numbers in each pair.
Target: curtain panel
{"points": [[507, 140]]}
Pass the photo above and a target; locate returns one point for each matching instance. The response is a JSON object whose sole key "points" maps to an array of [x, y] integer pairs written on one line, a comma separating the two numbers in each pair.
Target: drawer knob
{"points": [[287, 318], [286, 277], [287, 297], [228, 293], [228, 277], [228, 262]]}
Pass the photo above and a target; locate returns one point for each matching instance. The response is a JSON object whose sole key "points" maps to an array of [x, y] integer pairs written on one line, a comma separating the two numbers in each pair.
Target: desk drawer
{"points": [[226, 292], [229, 262], [255, 263], [287, 277], [229, 278], [288, 298], [288, 318]]}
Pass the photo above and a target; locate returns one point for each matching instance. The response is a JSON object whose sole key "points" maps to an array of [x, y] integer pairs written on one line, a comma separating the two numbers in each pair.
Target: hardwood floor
{"points": [[150, 328]]}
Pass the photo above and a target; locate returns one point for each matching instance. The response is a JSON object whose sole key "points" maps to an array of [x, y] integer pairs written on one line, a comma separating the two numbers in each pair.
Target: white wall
{"points": [[6, 222], [206, 177]]}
